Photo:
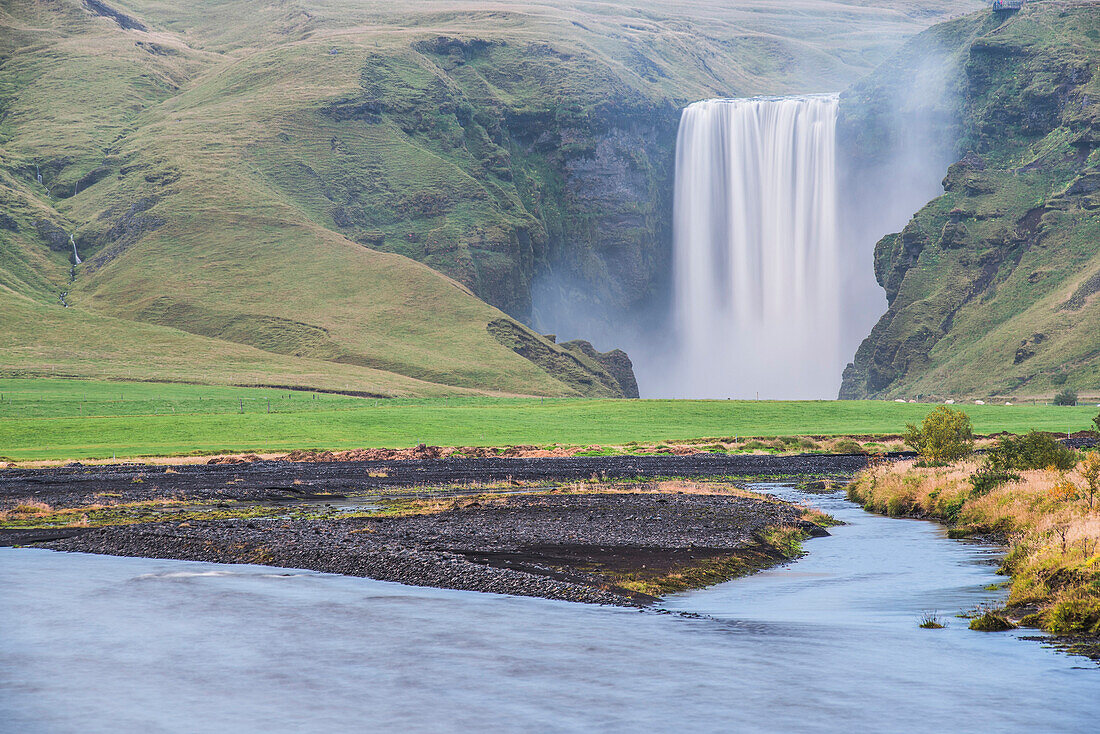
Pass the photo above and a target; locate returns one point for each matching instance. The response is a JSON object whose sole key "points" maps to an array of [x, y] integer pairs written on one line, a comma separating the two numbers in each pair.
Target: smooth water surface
{"points": [[829, 643]]}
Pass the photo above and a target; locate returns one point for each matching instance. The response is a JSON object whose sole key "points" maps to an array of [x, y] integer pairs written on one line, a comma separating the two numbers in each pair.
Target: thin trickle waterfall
{"points": [[757, 302], [76, 255]]}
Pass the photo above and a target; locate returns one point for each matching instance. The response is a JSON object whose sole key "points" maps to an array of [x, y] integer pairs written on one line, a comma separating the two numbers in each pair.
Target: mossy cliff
{"points": [[992, 286], [535, 159]]}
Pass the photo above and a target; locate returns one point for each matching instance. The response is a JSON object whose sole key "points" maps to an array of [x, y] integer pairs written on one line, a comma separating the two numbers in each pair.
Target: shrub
{"points": [[1066, 397], [847, 446], [1090, 470], [1036, 450], [945, 434], [986, 479], [31, 507], [897, 505], [1063, 490], [1096, 422], [931, 621]]}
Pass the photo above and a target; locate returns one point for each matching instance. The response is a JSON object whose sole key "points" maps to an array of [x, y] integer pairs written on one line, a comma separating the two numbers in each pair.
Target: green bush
{"points": [[988, 478], [1035, 450], [945, 434], [1066, 397], [1096, 422], [897, 505], [847, 446]]}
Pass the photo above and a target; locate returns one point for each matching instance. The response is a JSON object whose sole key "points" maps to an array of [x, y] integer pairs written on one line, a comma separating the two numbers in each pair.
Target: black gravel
{"points": [[262, 480], [556, 546]]}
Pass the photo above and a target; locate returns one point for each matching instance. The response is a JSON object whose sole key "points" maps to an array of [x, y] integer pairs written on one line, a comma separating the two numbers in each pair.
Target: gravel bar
{"points": [[263, 480]]}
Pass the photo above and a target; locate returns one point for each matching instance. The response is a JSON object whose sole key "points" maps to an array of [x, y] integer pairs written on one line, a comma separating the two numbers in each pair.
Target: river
{"points": [[828, 643]]}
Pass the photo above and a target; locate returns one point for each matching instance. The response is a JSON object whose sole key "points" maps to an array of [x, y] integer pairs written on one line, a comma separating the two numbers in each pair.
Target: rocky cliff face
{"points": [[992, 285], [496, 162]]}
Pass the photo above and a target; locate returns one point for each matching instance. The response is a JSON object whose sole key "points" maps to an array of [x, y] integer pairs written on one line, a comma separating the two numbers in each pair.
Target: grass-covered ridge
{"points": [[71, 419], [250, 185]]}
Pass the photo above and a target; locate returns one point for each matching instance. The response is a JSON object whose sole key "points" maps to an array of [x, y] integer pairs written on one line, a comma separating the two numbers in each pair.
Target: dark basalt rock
{"points": [[127, 229], [124, 21], [616, 362], [559, 546], [54, 236]]}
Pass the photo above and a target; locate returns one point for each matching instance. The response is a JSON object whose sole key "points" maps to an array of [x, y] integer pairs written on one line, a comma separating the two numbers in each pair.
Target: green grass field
{"points": [[75, 419]]}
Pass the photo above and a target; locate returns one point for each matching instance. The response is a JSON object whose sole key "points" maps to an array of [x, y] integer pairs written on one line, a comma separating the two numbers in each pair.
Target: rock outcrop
{"points": [[616, 362], [576, 364]]}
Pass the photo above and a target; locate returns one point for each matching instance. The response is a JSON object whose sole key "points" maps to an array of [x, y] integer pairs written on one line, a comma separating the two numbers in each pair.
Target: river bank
{"points": [[1044, 516], [557, 529]]}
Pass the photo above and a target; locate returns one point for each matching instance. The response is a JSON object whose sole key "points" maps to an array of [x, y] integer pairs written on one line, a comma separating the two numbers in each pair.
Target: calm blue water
{"points": [[829, 643]]}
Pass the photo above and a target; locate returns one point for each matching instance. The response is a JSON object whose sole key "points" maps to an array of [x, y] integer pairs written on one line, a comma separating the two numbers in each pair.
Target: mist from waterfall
{"points": [[756, 253]]}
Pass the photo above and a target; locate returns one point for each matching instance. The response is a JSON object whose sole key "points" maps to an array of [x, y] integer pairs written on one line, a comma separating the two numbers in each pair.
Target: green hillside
{"points": [[251, 184], [993, 286]]}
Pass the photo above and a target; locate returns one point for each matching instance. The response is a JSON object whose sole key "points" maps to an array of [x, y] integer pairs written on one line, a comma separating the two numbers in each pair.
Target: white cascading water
{"points": [[756, 249]]}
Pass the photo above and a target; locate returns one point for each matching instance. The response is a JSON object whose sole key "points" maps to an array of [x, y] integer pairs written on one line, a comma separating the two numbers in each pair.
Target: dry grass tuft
{"points": [[31, 507]]}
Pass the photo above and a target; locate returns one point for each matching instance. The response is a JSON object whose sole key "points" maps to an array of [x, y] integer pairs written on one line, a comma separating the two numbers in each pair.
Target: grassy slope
{"points": [[975, 277], [206, 210], [40, 340], [77, 419], [232, 261]]}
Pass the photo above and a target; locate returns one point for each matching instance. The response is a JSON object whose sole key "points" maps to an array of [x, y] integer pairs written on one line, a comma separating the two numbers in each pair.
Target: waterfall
{"points": [[76, 256], [756, 249]]}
